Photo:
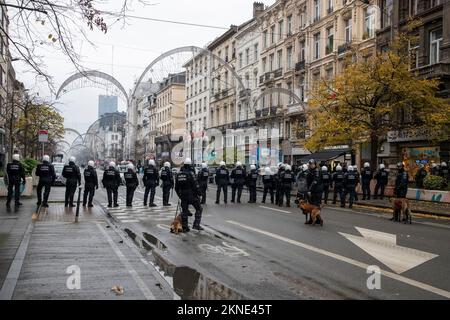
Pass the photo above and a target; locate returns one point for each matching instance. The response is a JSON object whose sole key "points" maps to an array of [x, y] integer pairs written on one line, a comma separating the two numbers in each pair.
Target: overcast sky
{"points": [[135, 46]]}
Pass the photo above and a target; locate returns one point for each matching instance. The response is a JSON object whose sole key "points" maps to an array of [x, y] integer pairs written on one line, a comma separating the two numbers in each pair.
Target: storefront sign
{"points": [[408, 135]]}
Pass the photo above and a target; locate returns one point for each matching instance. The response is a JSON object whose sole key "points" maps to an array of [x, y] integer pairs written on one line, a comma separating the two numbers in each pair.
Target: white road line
{"points": [[353, 262], [141, 284], [278, 210]]}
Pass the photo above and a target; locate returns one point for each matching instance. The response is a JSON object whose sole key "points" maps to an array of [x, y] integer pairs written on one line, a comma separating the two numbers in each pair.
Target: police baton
{"points": [[78, 204]]}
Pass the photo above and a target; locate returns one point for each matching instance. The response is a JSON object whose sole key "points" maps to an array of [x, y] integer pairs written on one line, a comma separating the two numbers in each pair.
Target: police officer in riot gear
{"points": [[222, 181], [351, 180], [188, 191], [252, 178], [151, 180], [15, 174], [90, 184], [326, 180], [434, 170], [268, 182], [382, 180], [73, 178], [287, 179], [366, 178], [167, 183], [111, 181], [338, 184], [237, 177], [315, 184], [46, 173], [131, 183], [278, 184], [202, 179], [444, 172], [420, 176], [302, 183], [401, 182]]}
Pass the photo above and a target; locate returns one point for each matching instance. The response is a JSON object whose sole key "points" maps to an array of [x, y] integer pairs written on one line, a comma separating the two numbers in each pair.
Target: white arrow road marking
{"points": [[341, 258], [383, 247]]}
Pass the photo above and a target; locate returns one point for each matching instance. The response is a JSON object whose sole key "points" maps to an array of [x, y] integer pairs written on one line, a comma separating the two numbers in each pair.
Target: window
{"points": [[369, 22], [289, 87], [265, 39], [386, 8], [302, 50], [271, 57], [317, 45], [302, 89], [280, 59], [435, 45], [247, 56], [330, 6], [348, 31], [255, 78], [272, 34], [280, 30], [264, 65], [289, 58], [204, 104], [413, 9], [289, 25], [255, 52], [330, 40], [316, 10], [240, 60]]}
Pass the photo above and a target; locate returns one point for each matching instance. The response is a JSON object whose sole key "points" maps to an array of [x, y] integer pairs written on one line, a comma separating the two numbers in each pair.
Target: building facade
{"points": [[107, 104]]}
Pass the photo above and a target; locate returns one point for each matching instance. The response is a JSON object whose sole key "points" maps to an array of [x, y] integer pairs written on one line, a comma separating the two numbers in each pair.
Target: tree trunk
{"points": [[374, 144]]}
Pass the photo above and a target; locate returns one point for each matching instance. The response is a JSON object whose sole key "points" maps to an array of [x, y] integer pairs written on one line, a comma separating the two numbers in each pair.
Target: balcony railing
{"points": [[278, 73], [299, 66], [434, 70], [330, 10], [344, 47], [244, 93]]}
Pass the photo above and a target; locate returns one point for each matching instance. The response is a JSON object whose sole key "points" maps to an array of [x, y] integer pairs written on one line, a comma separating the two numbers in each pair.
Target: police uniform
{"points": [[420, 176], [444, 173], [151, 180], [401, 183], [237, 177], [315, 186], [222, 181], [167, 184], [286, 180], [202, 179], [382, 180], [351, 180], [279, 188], [366, 177], [326, 180], [15, 173], [268, 182], [131, 183], [338, 184], [90, 184], [73, 177], [111, 181], [46, 173], [252, 179], [188, 191], [302, 184]]}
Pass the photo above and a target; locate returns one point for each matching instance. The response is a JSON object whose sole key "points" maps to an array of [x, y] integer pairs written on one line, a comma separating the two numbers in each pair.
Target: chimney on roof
{"points": [[258, 9]]}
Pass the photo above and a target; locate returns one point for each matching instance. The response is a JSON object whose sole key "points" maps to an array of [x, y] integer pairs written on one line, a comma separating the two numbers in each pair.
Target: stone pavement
{"points": [[47, 256]]}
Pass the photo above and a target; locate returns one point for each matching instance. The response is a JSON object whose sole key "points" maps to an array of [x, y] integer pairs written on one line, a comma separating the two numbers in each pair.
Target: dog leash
{"points": [[178, 206]]}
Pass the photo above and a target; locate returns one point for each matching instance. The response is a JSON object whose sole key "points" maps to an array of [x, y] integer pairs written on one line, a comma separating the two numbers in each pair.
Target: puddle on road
{"points": [[155, 241]]}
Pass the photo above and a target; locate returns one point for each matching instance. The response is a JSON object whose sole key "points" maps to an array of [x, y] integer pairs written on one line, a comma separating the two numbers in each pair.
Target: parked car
{"points": [[60, 180]]}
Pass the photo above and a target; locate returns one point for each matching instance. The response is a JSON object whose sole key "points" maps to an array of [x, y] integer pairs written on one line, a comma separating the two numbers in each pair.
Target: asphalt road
{"points": [[262, 251]]}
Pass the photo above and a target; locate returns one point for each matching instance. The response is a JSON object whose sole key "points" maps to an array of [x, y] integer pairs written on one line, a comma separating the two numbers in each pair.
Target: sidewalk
{"points": [[422, 207], [53, 248]]}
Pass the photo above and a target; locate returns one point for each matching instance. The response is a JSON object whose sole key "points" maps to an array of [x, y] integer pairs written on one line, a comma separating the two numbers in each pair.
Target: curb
{"points": [[418, 211]]}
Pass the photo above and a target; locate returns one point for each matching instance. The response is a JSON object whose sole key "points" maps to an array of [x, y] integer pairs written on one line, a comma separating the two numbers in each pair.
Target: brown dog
{"points": [[312, 210], [176, 227], [401, 210]]}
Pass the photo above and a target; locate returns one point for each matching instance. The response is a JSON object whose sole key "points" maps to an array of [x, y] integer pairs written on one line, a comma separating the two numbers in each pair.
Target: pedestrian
{"points": [[444, 173], [401, 182], [188, 191], [111, 182], [73, 178], [366, 178], [326, 180], [90, 184], [252, 179], [351, 180], [167, 183], [222, 181], [131, 183], [420, 176], [237, 176], [268, 182], [46, 173], [302, 183], [315, 185], [382, 180], [15, 174], [202, 179], [338, 184], [287, 179], [278, 184], [151, 180]]}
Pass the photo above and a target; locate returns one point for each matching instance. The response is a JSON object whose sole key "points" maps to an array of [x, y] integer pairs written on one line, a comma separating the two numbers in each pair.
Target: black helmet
{"points": [[312, 161]]}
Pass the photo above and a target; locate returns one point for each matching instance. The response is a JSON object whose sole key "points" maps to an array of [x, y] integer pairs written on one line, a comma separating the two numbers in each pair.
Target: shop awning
{"points": [[325, 155]]}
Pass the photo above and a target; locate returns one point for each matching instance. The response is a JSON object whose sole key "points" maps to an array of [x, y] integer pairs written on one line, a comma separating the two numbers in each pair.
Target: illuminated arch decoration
{"points": [[283, 91], [92, 79]]}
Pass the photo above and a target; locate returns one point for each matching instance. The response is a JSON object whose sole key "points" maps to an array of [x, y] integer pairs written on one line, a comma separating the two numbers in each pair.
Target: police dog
{"points": [[313, 211], [176, 227], [401, 210]]}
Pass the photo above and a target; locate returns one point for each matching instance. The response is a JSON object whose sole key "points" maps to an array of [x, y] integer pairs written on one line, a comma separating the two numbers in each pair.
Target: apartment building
{"points": [[170, 115], [431, 59], [198, 83]]}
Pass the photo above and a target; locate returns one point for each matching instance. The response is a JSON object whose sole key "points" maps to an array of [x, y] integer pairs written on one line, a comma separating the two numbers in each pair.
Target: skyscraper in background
{"points": [[107, 104]]}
